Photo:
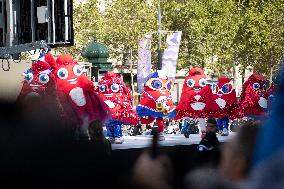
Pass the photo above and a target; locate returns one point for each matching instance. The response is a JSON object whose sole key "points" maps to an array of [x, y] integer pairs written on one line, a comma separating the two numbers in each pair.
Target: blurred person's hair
{"points": [[212, 120], [43, 120], [207, 178], [245, 140], [95, 130]]}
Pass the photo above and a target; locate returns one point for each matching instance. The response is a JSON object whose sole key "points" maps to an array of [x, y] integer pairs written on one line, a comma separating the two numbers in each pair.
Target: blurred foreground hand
{"points": [[152, 173]]}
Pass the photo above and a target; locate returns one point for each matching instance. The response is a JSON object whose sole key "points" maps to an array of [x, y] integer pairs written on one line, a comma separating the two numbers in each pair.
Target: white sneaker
{"points": [[161, 137], [225, 132], [119, 140]]}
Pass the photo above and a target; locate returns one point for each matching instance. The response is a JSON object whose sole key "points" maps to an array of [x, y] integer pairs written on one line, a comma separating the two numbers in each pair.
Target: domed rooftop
{"points": [[96, 52]]}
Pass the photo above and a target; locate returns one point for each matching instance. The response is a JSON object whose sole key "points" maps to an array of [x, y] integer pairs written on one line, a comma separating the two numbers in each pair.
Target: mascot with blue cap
{"points": [[156, 102]]}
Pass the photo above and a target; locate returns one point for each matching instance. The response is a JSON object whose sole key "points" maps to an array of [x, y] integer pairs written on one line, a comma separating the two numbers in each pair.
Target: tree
{"points": [[208, 27], [259, 42], [124, 23], [217, 34]]}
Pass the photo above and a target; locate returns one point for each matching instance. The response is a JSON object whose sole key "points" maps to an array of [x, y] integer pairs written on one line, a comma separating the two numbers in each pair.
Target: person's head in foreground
{"points": [[96, 130], [237, 153], [211, 125]]}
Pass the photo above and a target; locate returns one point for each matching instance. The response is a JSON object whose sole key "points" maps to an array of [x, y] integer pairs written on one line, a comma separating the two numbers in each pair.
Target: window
{"points": [[49, 20]]}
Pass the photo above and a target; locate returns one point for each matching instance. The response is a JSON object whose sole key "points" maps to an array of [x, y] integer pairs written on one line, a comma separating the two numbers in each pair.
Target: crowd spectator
{"points": [[167, 123], [149, 173], [237, 154], [148, 129], [97, 137], [267, 169], [231, 173], [207, 178], [180, 124], [185, 127], [208, 150], [211, 125], [137, 130], [173, 128]]}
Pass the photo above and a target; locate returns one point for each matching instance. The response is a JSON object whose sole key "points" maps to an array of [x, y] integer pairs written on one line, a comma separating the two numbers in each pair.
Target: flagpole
{"points": [[159, 37]]}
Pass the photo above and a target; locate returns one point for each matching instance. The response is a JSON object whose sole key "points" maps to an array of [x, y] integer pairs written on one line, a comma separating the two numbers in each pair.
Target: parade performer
{"points": [[224, 103], [76, 94], [195, 98], [254, 96], [38, 81], [119, 99], [156, 102]]}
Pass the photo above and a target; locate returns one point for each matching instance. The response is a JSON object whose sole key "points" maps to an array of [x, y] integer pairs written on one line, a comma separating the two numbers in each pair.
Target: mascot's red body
{"points": [[224, 104], [156, 102], [118, 97], [224, 98], [38, 81], [76, 92], [254, 96], [196, 96]]}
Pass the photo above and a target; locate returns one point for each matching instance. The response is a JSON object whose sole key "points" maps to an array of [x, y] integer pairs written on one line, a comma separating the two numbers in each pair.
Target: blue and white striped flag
{"points": [[170, 55], [144, 62]]}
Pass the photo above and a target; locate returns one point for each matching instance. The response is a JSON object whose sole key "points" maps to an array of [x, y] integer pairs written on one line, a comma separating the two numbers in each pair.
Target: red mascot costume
{"points": [[224, 103], [76, 93], [156, 102], [254, 96], [119, 99], [38, 81], [195, 98]]}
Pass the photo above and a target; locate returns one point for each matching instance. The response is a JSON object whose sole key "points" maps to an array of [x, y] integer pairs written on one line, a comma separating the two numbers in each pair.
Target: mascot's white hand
{"points": [[162, 99], [166, 106]]}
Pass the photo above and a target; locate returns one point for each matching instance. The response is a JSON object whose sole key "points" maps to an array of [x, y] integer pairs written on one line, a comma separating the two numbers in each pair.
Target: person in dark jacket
{"points": [[208, 151]]}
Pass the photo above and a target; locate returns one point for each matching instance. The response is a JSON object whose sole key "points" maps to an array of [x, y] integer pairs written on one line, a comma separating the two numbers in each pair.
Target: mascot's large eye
{"points": [[227, 88], [29, 77], [169, 86], [115, 88], [190, 82], [78, 70], [202, 82], [62, 73], [102, 88], [256, 86], [43, 78], [157, 84]]}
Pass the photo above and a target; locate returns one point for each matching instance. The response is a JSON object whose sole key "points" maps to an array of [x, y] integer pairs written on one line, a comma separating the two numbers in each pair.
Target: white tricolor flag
{"points": [[170, 56], [144, 62]]}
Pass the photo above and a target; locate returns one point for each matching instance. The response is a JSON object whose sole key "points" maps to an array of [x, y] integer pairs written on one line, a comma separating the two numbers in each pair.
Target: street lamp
{"points": [[159, 32], [159, 36]]}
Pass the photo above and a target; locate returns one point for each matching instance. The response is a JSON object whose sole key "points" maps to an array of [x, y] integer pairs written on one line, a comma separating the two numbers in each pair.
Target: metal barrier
{"points": [[7, 52]]}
